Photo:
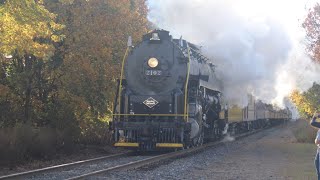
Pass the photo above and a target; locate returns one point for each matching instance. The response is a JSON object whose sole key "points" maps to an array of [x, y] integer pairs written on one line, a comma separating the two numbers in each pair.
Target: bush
{"points": [[44, 142], [96, 133], [23, 142], [303, 132], [15, 143]]}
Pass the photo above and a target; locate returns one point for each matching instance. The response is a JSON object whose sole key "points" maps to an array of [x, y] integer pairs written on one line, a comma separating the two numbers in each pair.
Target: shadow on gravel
{"points": [[152, 153]]}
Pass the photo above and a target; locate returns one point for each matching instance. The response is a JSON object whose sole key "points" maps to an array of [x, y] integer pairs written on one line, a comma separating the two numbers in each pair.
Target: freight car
{"points": [[254, 115], [168, 96]]}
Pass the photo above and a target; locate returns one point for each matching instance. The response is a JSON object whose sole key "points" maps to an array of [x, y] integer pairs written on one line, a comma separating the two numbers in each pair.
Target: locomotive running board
{"points": [[169, 145], [126, 144]]}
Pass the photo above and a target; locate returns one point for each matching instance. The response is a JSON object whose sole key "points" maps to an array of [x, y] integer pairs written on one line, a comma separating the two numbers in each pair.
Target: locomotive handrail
{"points": [[121, 77], [186, 117]]}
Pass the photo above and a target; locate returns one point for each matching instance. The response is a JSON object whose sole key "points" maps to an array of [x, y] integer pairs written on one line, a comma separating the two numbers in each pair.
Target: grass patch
{"points": [[301, 153], [300, 161], [303, 132]]}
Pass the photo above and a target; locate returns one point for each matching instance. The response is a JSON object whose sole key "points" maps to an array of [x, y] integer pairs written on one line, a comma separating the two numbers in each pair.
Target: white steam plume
{"points": [[257, 45]]}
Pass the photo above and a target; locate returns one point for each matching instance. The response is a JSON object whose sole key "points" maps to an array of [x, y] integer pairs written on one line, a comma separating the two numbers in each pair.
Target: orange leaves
{"points": [[311, 25], [96, 35]]}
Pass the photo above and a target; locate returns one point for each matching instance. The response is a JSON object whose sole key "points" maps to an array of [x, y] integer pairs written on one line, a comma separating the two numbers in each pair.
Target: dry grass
{"points": [[300, 161], [303, 132], [300, 154]]}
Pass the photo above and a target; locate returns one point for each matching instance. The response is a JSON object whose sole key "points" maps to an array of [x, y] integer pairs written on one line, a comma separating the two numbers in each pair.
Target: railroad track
{"points": [[159, 158], [29, 174], [88, 168]]}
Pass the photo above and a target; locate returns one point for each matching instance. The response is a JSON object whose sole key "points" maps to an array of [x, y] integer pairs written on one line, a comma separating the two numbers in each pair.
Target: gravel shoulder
{"points": [[270, 154]]}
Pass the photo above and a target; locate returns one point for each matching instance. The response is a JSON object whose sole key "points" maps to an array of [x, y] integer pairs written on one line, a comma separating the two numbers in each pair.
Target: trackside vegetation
{"points": [[59, 61], [308, 102]]}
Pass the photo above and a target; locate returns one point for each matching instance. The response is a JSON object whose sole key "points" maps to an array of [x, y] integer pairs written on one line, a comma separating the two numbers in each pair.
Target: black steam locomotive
{"points": [[170, 96]]}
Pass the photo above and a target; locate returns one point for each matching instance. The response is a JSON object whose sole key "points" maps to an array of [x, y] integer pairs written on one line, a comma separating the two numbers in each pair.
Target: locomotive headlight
{"points": [[153, 62]]}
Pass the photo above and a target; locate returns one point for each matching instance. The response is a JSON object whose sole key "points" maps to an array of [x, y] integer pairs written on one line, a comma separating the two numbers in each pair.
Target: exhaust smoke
{"points": [[257, 46]]}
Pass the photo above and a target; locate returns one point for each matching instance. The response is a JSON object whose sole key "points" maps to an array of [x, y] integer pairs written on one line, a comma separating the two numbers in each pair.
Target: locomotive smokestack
{"points": [[129, 44], [181, 42]]}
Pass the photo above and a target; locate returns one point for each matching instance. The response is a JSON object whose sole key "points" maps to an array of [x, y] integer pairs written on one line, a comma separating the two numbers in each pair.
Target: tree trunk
{"points": [[28, 69]]}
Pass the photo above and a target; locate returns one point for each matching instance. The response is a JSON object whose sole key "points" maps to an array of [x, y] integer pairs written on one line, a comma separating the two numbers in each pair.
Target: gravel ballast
{"points": [[253, 157]]}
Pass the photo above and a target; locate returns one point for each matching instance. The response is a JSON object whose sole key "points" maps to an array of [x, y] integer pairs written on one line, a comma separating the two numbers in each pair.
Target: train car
{"points": [[255, 115], [242, 119], [168, 96]]}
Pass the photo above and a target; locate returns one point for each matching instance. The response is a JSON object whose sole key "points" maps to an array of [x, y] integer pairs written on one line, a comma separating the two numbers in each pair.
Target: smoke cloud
{"points": [[257, 50]]}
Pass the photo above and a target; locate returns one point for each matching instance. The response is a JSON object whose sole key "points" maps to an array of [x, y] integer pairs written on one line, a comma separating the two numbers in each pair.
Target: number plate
{"points": [[153, 72]]}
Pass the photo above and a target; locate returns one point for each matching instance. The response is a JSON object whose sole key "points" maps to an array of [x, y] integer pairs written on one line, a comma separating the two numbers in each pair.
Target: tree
{"points": [[28, 28], [96, 35], [65, 60], [312, 27], [307, 102], [28, 33]]}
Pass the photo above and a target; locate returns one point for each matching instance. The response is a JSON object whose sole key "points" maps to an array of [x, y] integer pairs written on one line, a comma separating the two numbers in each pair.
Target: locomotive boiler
{"points": [[168, 96]]}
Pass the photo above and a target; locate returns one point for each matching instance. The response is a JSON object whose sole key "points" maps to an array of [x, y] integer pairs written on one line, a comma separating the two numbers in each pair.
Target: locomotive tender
{"points": [[170, 96]]}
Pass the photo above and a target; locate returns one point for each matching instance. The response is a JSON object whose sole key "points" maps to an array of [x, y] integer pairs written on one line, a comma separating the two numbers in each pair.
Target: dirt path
{"points": [[273, 156]]}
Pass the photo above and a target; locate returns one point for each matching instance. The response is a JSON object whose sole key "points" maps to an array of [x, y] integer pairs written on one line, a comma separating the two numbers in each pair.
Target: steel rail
{"points": [[52, 168], [159, 158]]}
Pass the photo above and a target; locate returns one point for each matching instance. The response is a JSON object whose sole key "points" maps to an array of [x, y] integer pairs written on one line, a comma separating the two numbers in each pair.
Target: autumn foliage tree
{"points": [[307, 102], [28, 33], [96, 35], [312, 27], [59, 61]]}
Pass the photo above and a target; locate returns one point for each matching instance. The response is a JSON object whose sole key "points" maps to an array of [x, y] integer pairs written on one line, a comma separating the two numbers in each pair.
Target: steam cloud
{"points": [[254, 54]]}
